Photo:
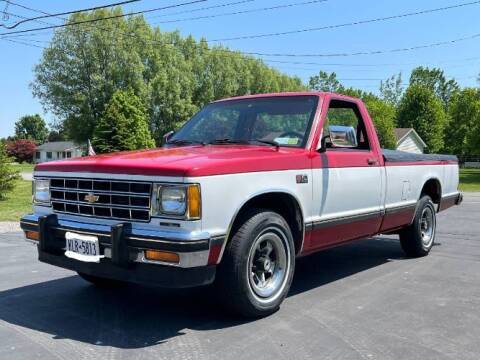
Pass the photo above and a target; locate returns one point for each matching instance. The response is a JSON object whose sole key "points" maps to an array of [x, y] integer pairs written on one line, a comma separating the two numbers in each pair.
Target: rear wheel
{"points": [[257, 269], [418, 239]]}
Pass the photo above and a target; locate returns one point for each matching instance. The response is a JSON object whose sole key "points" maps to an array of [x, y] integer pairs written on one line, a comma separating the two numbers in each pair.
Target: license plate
{"points": [[82, 247]]}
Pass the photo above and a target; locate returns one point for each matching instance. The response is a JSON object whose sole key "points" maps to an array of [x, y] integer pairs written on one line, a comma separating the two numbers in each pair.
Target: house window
{"points": [[64, 154], [69, 154], [37, 155], [49, 154], [59, 154]]}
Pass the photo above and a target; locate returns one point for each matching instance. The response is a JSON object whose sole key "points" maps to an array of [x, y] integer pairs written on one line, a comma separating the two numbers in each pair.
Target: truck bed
{"points": [[402, 156]]}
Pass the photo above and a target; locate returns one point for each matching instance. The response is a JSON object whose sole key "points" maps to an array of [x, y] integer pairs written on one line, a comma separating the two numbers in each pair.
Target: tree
{"points": [[56, 135], [326, 82], [123, 126], [391, 90], [383, 116], [462, 136], [31, 127], [85, 65], [21, 150], [8, 175], [435, 79], [422, 110]]}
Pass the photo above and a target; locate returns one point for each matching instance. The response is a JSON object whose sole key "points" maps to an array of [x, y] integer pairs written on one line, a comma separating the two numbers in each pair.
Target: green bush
{"points": [[8, 175], [123, 126]]}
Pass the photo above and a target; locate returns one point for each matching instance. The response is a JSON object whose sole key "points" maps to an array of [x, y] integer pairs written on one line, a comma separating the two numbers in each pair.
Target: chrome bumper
{"points": [[123, 244]]}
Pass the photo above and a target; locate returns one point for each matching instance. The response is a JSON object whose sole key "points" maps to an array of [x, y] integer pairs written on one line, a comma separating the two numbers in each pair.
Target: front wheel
{"points": [[257, 269], [418, 239]]}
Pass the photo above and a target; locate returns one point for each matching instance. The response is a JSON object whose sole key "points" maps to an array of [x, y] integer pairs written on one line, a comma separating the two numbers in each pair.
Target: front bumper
{"points": [[123, 248]]}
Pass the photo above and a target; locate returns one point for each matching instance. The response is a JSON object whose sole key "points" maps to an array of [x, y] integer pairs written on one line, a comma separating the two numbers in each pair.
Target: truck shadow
{"points": [[137, 317]]}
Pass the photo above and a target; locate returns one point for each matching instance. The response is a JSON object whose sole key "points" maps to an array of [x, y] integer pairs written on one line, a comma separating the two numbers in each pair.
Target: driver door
{"points": [[347, 179]]}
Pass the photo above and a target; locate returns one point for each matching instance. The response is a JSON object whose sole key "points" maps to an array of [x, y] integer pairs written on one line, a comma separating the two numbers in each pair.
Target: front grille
{"points": [[123, 200]]}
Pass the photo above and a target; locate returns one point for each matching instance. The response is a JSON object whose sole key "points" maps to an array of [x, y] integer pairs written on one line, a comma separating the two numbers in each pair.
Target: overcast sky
{"points": [[460, 60]]}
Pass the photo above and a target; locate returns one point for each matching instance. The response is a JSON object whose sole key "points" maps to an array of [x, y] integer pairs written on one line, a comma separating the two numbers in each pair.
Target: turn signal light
{"points": [[32, 235], [155, 255], [194, 202]]}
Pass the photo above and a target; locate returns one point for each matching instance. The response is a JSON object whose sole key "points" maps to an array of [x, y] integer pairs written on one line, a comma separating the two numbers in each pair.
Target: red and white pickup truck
{"points": [[235, 196]]}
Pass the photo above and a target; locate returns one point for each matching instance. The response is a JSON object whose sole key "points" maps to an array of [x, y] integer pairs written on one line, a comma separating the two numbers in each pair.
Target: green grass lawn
{"points": [[18, 202], [25, 167], [470, 179]]}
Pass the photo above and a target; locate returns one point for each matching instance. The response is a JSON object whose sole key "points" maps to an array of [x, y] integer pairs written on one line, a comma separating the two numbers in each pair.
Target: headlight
{"points": [[176, 200], [41, 191], [173, 200]]}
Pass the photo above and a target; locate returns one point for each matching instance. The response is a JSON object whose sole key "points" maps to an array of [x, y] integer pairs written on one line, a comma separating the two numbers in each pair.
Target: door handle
{"points": [[372, 161]]}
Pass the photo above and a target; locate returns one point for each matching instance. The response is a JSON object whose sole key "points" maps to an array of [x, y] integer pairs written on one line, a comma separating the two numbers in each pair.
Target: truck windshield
{"points": [[280, 121]]}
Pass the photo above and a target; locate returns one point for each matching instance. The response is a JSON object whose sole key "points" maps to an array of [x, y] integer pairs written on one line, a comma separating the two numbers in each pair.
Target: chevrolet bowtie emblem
{"points": [[91, 198]]}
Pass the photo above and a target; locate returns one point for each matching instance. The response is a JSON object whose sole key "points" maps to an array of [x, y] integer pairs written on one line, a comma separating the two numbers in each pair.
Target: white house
{"points": [[57, 150], [408, 140]]}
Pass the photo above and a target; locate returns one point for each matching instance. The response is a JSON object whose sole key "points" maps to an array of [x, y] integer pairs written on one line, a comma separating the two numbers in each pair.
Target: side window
{"points": [[344, 128]]}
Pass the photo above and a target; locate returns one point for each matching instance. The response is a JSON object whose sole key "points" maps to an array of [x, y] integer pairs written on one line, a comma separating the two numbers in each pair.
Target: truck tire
{"points": [[258, 265], [419, 237], [101, 282]]}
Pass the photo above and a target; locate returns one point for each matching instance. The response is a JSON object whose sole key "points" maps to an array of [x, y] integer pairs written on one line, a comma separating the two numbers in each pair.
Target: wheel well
{"points": [[433, 189], [281, 203]]}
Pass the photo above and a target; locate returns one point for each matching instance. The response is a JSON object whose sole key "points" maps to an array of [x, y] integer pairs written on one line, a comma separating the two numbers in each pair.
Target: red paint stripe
{"points": [[397, 219]]}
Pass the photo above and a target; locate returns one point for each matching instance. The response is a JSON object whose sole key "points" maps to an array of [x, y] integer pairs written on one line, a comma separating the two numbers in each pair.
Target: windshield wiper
{"points": [[227, 141], [184, 142], [240, 141], [267, 142]]}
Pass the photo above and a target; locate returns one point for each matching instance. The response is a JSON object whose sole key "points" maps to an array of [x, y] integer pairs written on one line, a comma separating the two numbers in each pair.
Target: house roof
{"points": [[402, 133], [58, 146]]}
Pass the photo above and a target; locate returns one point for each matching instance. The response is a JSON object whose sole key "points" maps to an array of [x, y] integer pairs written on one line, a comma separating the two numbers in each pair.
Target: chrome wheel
{"points": [[427, 226], [268, 264]]}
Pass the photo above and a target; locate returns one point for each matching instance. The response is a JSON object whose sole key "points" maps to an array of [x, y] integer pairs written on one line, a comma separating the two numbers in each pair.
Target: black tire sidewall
{"points": [[425, 202], [237, 255], [411, 237]]}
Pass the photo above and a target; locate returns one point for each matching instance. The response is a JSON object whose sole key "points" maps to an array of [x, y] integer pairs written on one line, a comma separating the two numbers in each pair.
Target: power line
{"points": [[369, 52], [24, 17], [370, 65], [311, 55], [102, 19], [157, 16], [336, 26], [339, 79], [242, 12], [69, 12], [203, 9], [372, 52], [28, 8], [23, 43]]}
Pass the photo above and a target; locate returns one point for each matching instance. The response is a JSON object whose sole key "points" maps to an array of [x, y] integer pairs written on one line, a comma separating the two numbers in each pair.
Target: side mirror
{"points": [[323, 144], [167, 136]]}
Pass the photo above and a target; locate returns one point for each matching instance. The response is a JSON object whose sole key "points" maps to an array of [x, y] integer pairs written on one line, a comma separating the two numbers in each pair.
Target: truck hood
{"points": [[189, 161]]}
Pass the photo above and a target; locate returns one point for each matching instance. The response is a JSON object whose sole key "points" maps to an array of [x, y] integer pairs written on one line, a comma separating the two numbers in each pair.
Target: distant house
{"points": [[57, 150], [408, 140]]}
